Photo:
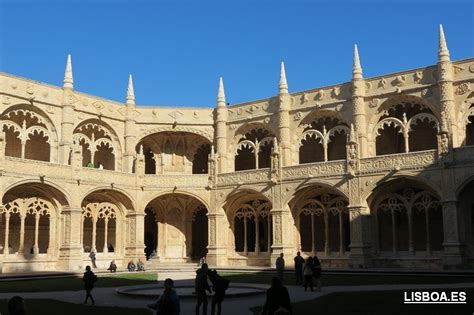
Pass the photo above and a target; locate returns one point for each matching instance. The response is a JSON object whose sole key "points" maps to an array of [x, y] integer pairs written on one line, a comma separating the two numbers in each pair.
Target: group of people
{"points": [[99, 165], [140, 266], [168, 302], [305, 270]]}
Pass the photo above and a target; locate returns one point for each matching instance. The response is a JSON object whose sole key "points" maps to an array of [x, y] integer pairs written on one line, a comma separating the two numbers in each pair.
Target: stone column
{"points": [[135, 247], [94, 234], [106, 227], [21, 249], [67, 125], [35, 246], [130, 138], [453, 256], [7, 234], [70, 252], [217, 245], [360, 255], [282, 235]]}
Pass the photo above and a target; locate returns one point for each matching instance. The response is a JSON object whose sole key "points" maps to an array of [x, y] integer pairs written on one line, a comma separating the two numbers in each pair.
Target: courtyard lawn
{"points": [[75, 283], [124, 279], [52, 307], [385, 302], [348, 279]]}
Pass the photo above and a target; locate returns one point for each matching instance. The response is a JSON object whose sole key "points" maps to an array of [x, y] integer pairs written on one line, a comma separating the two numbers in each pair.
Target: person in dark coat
{"points": [[317, 272], [219, 286], [299, 262], [93, 258], [16, 306], [113, 266], [89, 279], [280, 266], [201, 286], [277, 298], [168, 302], [308, 273]]}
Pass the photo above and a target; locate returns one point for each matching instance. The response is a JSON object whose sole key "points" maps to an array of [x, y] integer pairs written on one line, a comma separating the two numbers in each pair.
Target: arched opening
{"points": [[407, 126], [470, 126], [177, 152], [324, 139], [201, 159], [322, 221], [251, 226], [176, 228], [30, 215], [407, 218], [100, 144], [29, 134], [104, 224], [253, 150], [466, 207]]}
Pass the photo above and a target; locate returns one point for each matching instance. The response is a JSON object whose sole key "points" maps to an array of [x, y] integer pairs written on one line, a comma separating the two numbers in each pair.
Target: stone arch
{"points": [[322, 220], [468, 121], [251, 147], [100, 144], [176, 227], [30, 133], [30, 219], [407, 218], [323, 138], [172, 152], [404, 124], [250, 233], [103, 222]]}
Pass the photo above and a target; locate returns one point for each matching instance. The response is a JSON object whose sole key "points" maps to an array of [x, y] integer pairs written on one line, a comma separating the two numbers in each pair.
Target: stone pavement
{"points": [[237, 305]]}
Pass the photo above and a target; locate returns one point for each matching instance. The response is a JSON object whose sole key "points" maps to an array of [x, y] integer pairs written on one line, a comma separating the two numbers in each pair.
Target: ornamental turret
{"points": [[67, 122], [284, 135], [130, 124], [358, 103], [221, 128]]}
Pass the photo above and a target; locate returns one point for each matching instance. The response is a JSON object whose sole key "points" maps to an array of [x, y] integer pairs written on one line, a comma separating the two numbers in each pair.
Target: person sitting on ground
{"points": [[168, 302], [112, 267], [16, 306], [278, 299], [140, 265], [219, 286], [131, 266]]}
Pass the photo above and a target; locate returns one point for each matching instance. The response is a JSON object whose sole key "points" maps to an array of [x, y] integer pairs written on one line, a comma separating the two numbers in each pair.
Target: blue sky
{"points": [[176, 50]]}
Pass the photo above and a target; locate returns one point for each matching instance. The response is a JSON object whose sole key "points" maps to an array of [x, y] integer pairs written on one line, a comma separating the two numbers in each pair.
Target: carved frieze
{"points": [[415, 159], [315, 169]]}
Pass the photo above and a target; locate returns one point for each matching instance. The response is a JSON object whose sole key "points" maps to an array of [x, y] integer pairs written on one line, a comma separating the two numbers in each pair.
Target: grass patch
{"points": [[348, 279], [368, 303], [76, 283], [52, 307]]}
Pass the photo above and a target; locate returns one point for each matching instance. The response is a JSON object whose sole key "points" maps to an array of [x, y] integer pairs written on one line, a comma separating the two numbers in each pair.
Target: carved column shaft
{"points": [[221, 136], [135, 247], [130, 141], [35, 246], [217, 246], [359, 115], [22, 234], [361, 237], [7, 233], [71, 250], [448, 121], [67, 126], [284, 134]]}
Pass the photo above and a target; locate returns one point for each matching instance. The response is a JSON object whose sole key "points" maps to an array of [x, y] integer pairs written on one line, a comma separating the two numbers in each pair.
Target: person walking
{"points": [[168, 302], [201, 286], [299, 262], [219, 286], [317, 272], [89, 279], [278, 299], [308, 273], [93, 258], [280, 267]]}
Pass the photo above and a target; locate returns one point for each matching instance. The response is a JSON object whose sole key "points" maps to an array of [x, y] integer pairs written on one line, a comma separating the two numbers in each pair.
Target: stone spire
{"points": [[443, 52], [130, 93], [356, 68], [221, 94], [283, 87], [68, 80]]}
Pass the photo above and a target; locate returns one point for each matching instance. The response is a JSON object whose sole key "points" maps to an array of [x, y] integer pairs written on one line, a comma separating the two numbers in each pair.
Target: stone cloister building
{"points": [[375, 172]]}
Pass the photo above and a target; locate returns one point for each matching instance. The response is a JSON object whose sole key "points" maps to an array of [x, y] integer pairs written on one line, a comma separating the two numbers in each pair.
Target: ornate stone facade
{"points": [[377, 172]]}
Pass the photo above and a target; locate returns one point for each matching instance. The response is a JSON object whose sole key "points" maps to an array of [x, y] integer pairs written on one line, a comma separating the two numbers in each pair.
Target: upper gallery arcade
{"points": [[372, 172]]}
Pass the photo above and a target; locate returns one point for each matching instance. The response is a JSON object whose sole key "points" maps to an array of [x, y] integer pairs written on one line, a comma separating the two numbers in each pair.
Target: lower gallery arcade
{"points": [[405, 223]]}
